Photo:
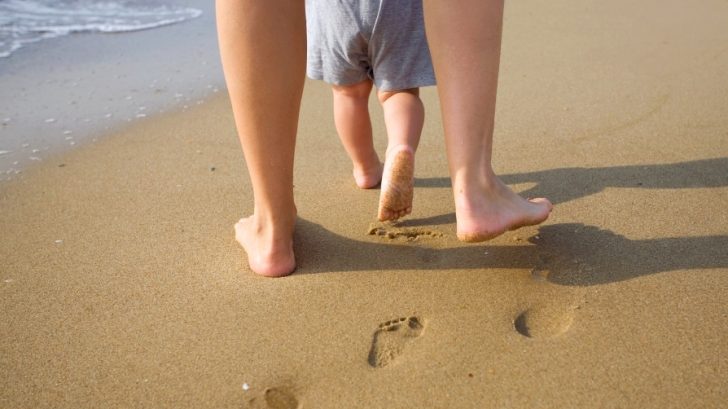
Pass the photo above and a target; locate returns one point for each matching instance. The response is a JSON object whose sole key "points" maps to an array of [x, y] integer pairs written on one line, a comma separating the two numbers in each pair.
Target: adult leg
{"points": [[263, 50], [351, 116], [404, 116], [465, 44]]}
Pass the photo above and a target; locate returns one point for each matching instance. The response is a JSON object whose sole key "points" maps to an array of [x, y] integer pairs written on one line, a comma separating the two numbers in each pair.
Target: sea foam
{"points": [[27, 21]]}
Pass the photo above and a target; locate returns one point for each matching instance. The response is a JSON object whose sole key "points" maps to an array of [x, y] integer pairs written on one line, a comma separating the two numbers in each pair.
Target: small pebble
{"points": [[50, 120], [59, 241], [246, 386], [4, 152], [67, 132]]}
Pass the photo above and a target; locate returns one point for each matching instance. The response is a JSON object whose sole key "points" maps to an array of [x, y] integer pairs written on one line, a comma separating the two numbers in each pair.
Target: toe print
{"points": [[392, 338]]}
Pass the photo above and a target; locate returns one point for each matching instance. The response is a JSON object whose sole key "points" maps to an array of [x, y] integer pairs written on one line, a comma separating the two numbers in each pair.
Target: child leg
{"points": [[351, 116], [404, 116]]}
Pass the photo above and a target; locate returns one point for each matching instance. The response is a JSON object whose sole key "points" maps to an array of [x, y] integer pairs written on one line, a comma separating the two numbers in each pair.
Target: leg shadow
{"points": [[569, 254], [582, 255], [566, 184]]}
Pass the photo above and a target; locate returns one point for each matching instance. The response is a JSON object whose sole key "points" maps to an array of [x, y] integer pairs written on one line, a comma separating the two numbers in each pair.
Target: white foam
{"points": [[26, 21]]}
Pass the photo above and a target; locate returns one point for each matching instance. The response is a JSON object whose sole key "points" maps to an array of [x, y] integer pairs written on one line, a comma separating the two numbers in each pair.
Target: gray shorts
{"points": [[384, 40]]}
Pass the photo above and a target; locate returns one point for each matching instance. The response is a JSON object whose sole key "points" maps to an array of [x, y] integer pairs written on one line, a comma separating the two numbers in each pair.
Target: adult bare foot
{"points": [[484, 215], [369, 177], [270, 253], [395, 199]]}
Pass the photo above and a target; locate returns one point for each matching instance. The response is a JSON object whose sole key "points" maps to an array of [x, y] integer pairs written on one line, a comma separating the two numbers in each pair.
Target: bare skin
{"points": [[250, 30], [351, 116], [404, 116], [265, 43], [269, 254], [498, 211], [395, 199], [465, 46]]}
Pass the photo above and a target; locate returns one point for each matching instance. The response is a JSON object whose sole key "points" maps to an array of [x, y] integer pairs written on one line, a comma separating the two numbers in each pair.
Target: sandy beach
{"points": [[122, 284]]}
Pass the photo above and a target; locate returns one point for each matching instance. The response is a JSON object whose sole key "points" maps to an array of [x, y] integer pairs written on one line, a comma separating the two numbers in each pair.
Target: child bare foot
{"points": [[395, 199], [268, 255], [495, 210], [367, 178]]}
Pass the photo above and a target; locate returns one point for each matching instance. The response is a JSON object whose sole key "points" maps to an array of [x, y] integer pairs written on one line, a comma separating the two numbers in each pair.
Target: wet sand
{"points": [[122, 284], [60, 93]]}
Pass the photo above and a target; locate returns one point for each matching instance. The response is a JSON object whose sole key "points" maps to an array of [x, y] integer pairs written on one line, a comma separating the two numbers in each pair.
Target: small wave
{"points": [[27, 21]]}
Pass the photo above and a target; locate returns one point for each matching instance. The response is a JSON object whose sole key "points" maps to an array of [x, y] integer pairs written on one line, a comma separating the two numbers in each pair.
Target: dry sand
{"points": [[122, 285]]}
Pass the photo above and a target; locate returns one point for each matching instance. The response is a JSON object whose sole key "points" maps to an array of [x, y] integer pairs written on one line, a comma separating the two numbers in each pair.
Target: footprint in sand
{"points": [[391, 339], [544, 321], [392, 231], [280, 399], [275, 398]]}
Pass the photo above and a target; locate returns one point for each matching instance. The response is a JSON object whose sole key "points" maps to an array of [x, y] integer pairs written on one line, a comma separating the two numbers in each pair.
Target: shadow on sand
{"points": [[566, 254], [566, 184]]}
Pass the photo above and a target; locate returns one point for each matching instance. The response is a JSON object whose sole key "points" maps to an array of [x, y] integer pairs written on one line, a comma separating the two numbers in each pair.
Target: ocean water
{"points": [[62, 94], [23, 22]]}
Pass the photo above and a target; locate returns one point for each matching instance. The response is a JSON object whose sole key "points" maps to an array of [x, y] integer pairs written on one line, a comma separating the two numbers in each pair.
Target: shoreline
{"points": [[100, 82]]}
